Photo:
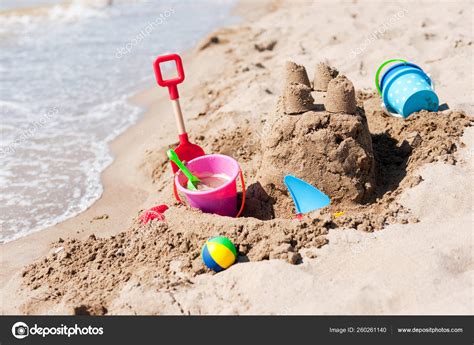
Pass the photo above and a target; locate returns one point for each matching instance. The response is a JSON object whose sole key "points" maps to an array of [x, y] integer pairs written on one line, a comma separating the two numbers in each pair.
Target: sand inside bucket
{"points": [[211, 181]]}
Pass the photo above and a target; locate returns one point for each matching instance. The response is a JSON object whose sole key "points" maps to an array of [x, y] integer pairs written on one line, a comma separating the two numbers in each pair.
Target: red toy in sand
{"points": [[155, 212]]}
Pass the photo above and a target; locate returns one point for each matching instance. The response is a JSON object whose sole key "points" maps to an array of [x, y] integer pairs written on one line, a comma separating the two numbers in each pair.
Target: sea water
{"points": [[65, 77]]}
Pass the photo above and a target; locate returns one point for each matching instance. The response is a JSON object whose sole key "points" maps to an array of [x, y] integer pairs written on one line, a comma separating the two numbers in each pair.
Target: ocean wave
{"points": [[27, 20], [75, 11], [36, 189]]}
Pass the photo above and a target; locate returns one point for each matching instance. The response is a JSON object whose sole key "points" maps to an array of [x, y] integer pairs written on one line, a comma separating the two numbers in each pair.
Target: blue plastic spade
{"points": [[306, 197]]}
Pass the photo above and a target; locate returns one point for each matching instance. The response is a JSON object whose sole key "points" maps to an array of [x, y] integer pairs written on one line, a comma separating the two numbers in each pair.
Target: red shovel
{"points": [[185, 150]]}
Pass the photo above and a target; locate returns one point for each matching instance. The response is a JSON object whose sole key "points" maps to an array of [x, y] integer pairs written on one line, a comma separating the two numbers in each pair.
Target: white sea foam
{"points": [[75, 11]]}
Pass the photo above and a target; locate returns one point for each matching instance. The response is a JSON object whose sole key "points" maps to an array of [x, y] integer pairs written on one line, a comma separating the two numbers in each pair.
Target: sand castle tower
{"points": [[323, 75], [341, 96], [331, 149], [295, 73], [297, 99]]}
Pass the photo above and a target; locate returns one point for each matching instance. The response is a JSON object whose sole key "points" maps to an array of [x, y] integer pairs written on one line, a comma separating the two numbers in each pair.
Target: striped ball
{"points": [[218, 253]]}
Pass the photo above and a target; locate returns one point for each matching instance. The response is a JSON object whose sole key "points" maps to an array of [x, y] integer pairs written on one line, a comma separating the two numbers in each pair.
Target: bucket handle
{"points": [[377, 75], [242, 182]]}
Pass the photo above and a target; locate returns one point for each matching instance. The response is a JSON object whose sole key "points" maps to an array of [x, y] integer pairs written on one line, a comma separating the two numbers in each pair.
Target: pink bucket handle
{"points": [[242, 182], [175, 191]]}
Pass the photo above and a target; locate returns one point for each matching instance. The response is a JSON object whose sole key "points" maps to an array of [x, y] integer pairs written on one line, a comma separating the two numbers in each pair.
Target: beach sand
{"points": [[408, 250]]}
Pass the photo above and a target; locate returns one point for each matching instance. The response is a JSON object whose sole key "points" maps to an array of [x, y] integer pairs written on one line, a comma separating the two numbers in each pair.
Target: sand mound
{"points": [[363, 172], [297, 99], [341, 96], [322, 76], [331, 151], [86, 275], [295, 73], [400, 149]]}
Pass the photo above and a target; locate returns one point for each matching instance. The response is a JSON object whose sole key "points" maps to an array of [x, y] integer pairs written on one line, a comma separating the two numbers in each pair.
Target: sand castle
{"points": [[295, 73], [297, 99], [340, 97], [322, 76], [331, 148]]}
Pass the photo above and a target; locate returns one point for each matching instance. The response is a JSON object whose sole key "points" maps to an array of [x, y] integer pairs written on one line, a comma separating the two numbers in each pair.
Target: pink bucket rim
{"points": [[190, 192]]}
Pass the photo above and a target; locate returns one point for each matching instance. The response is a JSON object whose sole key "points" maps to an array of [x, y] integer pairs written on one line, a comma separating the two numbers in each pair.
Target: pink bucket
{"points": [[221, 200]]}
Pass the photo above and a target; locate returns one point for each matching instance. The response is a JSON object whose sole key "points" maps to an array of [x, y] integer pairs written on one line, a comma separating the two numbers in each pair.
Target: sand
{"points": [[402, 246], [323, 75], [297, 99], [297, 145], [341, 96], [295, 73]]}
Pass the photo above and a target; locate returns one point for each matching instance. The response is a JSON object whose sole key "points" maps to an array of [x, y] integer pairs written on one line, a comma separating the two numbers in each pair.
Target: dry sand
{"points": [[295, 73], [340, 97], [323, 74], [404, 244]]}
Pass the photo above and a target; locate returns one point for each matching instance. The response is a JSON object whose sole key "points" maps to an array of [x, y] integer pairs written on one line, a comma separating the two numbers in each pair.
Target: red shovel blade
{"points": [[186, 151]]}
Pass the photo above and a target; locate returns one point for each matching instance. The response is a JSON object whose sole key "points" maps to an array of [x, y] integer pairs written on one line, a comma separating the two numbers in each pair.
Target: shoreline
{"points": [[89, 198], [133, 181], [136, 99], [134, 189]]}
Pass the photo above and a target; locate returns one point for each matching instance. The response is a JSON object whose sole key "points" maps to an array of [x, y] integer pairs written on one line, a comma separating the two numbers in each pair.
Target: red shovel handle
{"points": [[242, 182], [171, 84]]}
